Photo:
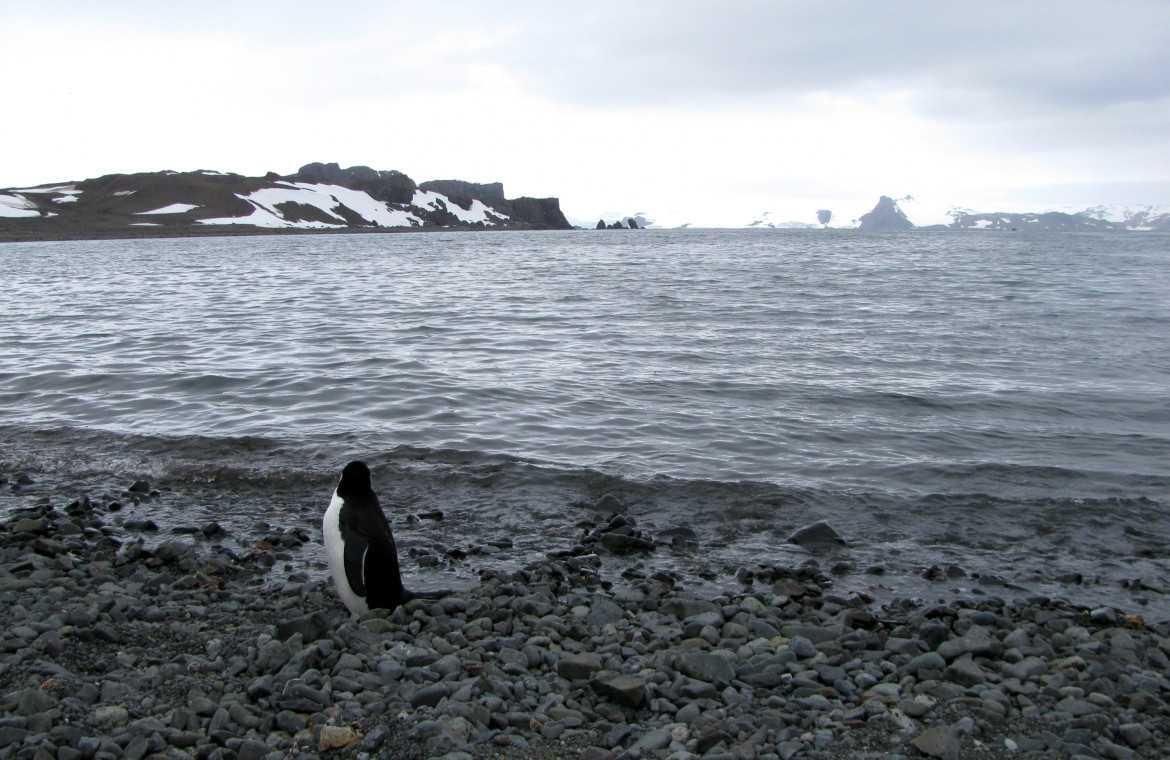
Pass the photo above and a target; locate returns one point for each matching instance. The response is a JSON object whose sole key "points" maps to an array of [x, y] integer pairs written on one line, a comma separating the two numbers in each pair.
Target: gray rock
{"points": [[928, 661], [1076, 707], [818, 535], [1025, 668], [202, 706], [939, 741], [688, 713], [966, 671], [1134, 734], [623, 544], [623, 689], [802, 648], [814, 633], [652, 740], [11, 736], [109, 716], [513, 658], [273, 656], [29, 525], [705, 667], [683, 608], [609, 503], [289, 722], [976, 641], [534, 605], [430, 695], [33, 701], [595, 753], [603, 612], [250, 749], [579, 667], [312, 627]]}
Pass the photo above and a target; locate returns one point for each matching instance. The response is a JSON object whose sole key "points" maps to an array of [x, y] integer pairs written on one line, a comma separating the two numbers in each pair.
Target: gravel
{"points": [[113, 646]]}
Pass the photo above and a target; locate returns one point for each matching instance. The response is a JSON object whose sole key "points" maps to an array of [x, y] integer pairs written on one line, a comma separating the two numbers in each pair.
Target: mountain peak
{"points": [[886, 215]]}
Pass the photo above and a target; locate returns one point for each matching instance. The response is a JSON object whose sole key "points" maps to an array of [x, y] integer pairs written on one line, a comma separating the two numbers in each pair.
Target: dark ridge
{"points": [[116, 205]]}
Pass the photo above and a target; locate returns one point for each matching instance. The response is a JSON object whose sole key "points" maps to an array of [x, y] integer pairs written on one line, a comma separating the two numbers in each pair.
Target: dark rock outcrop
{"points": [[625, 223], [817, 535], [536, 213], [385, 186], [886, 215], [457, 190]]}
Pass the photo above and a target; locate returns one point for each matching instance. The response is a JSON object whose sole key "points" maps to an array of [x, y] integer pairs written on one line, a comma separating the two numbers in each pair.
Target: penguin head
{"points": [[355, 485]]}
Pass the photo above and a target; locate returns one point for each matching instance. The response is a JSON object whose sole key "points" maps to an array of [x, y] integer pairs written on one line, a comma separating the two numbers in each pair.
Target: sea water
{"points": [[999, 401]]}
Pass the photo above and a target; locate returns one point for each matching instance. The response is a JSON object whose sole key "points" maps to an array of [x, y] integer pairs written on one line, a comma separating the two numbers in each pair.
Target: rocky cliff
{"points": [[319, 196]]}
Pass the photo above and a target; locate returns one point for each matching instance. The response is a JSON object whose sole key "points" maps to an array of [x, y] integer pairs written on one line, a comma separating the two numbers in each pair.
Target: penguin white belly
{"points": [[335, 554]]}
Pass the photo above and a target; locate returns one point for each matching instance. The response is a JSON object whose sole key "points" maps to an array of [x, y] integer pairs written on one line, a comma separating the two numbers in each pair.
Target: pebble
{"points": [[188, 650]]}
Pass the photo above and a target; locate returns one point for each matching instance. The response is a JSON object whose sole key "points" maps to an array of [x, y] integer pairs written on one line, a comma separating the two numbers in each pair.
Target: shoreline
{"points": [[192, 647], [14, 233]]}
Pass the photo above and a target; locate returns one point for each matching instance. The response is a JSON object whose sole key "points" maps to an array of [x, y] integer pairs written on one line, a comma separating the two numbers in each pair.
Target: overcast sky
{"points": [[702, 112]]}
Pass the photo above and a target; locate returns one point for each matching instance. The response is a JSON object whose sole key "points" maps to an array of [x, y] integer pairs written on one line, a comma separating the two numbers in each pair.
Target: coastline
{"points": [[121, 642], [14, 233]]}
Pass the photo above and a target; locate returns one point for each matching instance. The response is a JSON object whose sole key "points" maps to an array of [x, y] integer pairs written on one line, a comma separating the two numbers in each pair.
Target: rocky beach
{"points": [[124, 640]]}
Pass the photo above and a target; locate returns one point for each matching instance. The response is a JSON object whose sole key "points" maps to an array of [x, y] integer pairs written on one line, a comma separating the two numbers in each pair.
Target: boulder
{"points": [[817, 535]]}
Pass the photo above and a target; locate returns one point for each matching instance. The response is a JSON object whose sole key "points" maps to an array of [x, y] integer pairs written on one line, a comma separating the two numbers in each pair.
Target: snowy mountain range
{"points": [[318, 197], [909, 213], [326, 197]]}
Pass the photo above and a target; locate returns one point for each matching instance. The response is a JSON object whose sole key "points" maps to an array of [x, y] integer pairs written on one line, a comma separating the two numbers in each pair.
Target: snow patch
{"points": [[174, 208], [13, 206], [327, 198], [769, 220], [479, 212], [59, 189], [262, 217]]}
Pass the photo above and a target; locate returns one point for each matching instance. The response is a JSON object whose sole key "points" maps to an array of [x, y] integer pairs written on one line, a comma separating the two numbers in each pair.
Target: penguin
{"points": [[360, 547]]}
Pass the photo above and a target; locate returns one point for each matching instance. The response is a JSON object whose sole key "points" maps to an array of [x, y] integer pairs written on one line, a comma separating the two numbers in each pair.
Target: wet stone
{"points": [[818, 535]]}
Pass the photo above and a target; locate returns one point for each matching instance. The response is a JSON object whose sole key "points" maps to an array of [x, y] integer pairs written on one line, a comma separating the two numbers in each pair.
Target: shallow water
{"points": [[995, 400]]}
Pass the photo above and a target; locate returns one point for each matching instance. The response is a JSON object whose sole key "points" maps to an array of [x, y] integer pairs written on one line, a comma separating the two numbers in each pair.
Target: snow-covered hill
{"points": [[319, 196]]}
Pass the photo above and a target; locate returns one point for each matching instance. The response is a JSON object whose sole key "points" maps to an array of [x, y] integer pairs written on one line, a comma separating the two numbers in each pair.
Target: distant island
{"points": [[888, 215], [319, 197]]}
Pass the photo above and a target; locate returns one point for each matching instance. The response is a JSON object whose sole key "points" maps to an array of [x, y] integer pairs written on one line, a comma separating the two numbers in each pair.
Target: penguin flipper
{"points": [[355, 558], [385, 590]]}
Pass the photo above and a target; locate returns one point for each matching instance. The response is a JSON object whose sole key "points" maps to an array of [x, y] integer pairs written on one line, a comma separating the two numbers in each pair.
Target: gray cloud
{"points": [[1082, 72], [1053, 53], [1063, 54], [1043, 78]]}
